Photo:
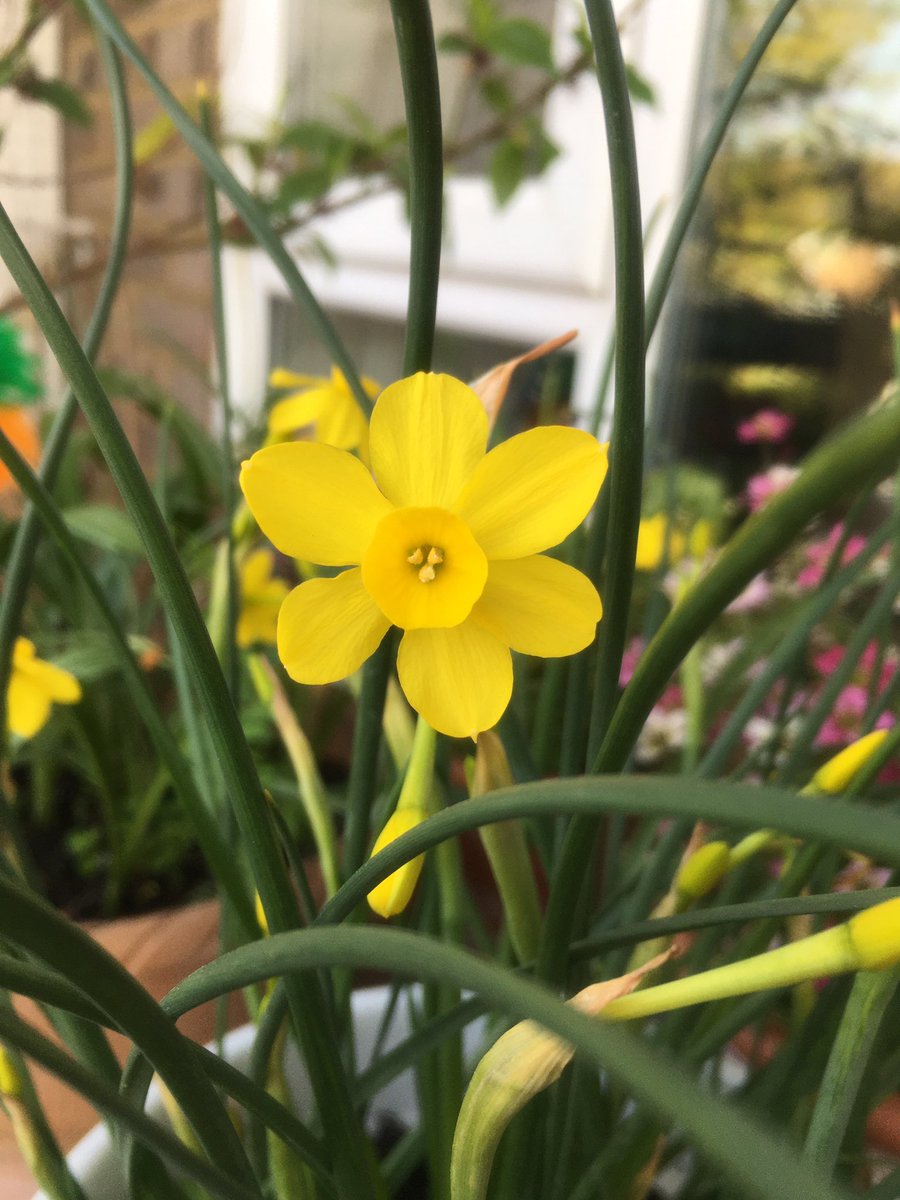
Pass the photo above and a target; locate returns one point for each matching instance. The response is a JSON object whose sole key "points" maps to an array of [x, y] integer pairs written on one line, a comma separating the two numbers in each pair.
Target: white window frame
{"points": [[563, 217]]}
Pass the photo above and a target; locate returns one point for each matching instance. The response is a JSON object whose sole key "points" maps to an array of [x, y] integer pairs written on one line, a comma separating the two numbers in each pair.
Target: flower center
{"points": [[412, 546], [427, 561]]}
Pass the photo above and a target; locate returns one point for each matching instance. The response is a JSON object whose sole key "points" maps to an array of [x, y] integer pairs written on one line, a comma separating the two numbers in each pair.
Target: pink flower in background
{"points": [[633, 652], [840, 727], [818, 555], [761, 488], [767, 425], [756, 594]]}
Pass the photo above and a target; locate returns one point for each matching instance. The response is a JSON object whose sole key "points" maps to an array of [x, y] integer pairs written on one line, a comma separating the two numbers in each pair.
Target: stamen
{"points": [[426, 574], [416, 557], [435, 556]]}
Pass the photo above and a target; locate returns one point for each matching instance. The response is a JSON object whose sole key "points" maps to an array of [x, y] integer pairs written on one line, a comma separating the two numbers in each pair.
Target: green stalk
{"points": [[627, 435], [231, 659], [856, 644], [107, 1100], [817, 607], [757, 1162], [218, 854], [250, 210], [701, 165], [863, 452], [422, 99], [870, 995], [272, 883], [28, 922], [421, 94], [21, 558]]}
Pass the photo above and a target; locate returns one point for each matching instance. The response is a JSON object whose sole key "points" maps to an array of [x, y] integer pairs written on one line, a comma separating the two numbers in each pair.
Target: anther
{"points": [[426, 574], [435, 556], [416, 557]]}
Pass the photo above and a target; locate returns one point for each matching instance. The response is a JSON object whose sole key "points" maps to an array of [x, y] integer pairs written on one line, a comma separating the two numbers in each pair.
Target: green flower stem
{"points": [[818, 712], [230, 658], [863, 452], [422, 100], [829, 953], [627, 435], [250, 210], [258, 837], [363, 780], [218, 854], [31, 924], [21, 558], [817, 607], [108, 1101], [309, 782], [757, 1163], [850, 1051], [860, 454], [708, 150]]}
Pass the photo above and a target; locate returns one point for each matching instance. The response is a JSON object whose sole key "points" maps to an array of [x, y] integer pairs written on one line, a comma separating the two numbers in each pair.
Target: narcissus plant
{"points": [[442, 539]]}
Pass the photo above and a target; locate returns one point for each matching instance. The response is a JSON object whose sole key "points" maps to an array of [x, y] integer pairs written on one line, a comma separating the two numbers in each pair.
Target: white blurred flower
{"points": [[663, 732]]}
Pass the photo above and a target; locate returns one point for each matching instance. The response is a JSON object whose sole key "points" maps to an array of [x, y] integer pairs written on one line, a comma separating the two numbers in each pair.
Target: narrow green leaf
{"points": [[105, 527]]}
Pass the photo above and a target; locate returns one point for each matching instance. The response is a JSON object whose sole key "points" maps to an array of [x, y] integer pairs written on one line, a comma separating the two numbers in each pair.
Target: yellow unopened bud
{"points": [[875, 934], [261, 919], [836, 775], [703, 870], [392, 895], [10, 1081]]}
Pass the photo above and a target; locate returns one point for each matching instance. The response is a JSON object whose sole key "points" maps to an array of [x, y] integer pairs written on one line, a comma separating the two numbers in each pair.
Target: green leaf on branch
{"points": [[496, 94], [105, 527], [523, 43], [508, 166], [58, 95], [456, 43], [638, 86]]}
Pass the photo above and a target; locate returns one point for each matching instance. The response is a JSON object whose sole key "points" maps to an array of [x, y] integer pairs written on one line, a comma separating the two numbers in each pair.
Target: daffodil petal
{"points": [[459, 679], [531, 492], [59, 685], [327, 628], [257, 623], [426, 437], [299, 410], [281, 377], [313, 502], [342, 424], [255, 571], [27, 705], [538, 606]]}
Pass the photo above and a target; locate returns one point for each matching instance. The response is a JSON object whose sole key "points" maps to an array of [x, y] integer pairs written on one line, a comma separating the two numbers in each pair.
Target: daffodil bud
{"points": [[507, 850], [521, 1063], [837, 774], [261, 919], [10, 1082], [705, 868], [392, 895], [875, 933]]}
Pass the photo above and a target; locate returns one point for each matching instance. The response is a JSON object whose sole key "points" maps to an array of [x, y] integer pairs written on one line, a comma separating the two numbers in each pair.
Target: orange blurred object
{"points": [[18, 426]]}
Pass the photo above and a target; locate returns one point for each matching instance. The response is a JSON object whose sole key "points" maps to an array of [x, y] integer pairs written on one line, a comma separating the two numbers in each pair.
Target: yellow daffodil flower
{"points": [[261, 598], [34, 687], [444, 542], [326, 403], [651, 545]]}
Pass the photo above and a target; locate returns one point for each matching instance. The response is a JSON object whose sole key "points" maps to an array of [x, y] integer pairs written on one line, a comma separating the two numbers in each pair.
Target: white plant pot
{"points": [[97, 1169]]}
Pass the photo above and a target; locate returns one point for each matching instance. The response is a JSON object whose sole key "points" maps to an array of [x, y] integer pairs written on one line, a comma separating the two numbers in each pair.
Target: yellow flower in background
{"points": [[327, 403], [261, 598], [654, 533], [444, 542], [34, 687]]}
